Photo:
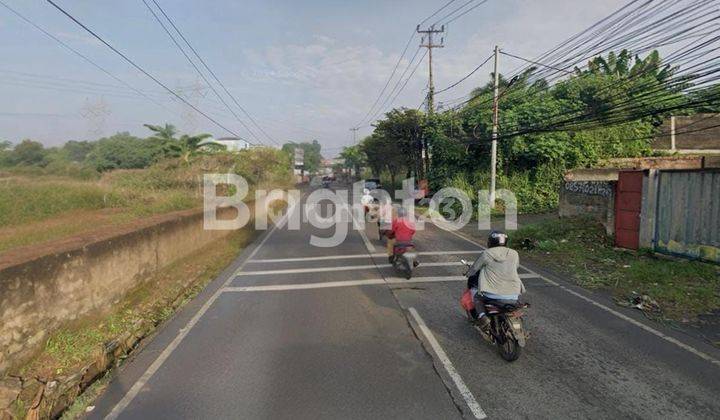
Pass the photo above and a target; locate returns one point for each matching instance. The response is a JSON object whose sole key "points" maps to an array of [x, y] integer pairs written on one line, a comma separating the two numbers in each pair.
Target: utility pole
{"points": [[431, 86], [493, 151], [430, 45], [354, 130]]}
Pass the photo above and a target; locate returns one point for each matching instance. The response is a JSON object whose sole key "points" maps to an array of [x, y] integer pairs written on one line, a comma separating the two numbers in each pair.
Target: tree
{"points": [[312, 158], [354, 158], [123, 151], [77, 151], [5, 150], [164, 133], [404, 129], [29, 152], [384, 153], [164, 136], [189, 144]]}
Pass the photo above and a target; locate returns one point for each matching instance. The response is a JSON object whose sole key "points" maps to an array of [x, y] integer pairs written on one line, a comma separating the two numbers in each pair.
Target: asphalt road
{"points": [[296, 331]]}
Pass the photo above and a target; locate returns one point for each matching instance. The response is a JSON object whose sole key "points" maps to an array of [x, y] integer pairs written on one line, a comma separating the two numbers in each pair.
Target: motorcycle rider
{"points": [[402, 231], [494, 276]]}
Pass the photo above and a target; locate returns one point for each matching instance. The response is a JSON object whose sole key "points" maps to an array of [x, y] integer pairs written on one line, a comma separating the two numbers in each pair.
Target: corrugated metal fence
{"points": [[688, 214]]}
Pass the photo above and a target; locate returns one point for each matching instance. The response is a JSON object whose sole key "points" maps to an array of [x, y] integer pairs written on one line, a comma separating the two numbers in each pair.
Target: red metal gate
{"points": [[628, 202]]}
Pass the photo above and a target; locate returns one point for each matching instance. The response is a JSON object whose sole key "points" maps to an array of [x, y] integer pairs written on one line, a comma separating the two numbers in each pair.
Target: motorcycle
{"points": [[405, 258], [506, 330]]}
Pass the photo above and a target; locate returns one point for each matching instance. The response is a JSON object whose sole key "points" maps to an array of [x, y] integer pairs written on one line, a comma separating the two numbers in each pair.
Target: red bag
{"points": [[467, 301]]}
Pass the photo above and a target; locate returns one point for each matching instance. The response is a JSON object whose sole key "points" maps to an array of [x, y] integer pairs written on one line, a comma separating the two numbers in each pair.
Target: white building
{"points": [[232, 144]]}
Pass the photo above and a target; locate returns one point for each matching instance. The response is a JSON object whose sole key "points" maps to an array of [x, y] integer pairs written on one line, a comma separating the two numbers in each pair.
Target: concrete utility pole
{"points": [[354, 130], [493, 151], [431, 87]]}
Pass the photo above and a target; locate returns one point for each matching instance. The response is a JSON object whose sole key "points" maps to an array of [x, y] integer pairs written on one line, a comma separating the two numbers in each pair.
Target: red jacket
{"points": [[404, 229]]}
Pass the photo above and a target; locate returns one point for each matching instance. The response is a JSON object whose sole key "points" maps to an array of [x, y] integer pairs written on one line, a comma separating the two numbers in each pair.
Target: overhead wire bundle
{"points": [[385, 98], [684, 31]]}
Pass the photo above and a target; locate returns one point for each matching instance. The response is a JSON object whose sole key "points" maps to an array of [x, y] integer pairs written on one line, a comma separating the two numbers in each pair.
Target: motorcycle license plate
{"points": [[518, 331]]}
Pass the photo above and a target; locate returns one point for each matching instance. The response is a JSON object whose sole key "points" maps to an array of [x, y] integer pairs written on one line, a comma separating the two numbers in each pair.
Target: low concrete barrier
{"points": [[46, 286]]}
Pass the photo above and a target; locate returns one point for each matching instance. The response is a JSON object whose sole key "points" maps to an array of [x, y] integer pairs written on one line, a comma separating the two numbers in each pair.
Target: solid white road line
{"points": [[304, 286], [344, 283], [340, 268], [609, 310], [449, 368], [369, 245], [350, 283], [312, 270], [638, 324], [137, 386], [354, 256]]}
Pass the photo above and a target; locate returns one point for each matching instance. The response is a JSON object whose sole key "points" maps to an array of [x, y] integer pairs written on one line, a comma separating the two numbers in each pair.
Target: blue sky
{"points": [[303, 69]]}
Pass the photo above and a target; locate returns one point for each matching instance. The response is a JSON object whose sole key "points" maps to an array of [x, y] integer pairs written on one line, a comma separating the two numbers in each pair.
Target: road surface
{"points": [[296, 331]]}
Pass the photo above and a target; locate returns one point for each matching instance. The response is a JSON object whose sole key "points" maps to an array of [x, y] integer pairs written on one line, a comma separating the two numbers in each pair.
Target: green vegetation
{"points": [[611, 109], [580, 248], [312, 158], [24, 201], [35, 207]]}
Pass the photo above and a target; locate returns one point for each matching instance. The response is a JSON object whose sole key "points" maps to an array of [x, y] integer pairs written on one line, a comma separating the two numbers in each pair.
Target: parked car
{"points": [[372, 184]]}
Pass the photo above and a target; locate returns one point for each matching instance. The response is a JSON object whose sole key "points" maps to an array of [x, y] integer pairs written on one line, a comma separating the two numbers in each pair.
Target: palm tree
{"points": [[189, 144], [166, 133]]}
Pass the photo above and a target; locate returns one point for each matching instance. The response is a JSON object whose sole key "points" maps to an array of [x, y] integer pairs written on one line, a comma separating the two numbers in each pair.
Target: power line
{"points": [[437, 11], [139, 68], [212, 73], [527, 60], [465, 12], [409, 77], [197, 70], [387, 83], [397, 85], [468, 75], [373, 111], [83, 56]]}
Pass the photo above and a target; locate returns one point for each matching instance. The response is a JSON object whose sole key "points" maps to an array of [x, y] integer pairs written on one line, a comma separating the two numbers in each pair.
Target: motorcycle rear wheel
{"points": [[406, 269], [509, 347]]}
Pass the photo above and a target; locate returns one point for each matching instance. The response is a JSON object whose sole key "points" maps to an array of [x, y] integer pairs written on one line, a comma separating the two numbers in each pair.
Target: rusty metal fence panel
{"points": [[688, 214]]}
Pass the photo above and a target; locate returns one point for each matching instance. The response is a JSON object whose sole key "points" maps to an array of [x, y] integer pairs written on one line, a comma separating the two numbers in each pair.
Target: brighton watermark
{"points": [[338, 211]]}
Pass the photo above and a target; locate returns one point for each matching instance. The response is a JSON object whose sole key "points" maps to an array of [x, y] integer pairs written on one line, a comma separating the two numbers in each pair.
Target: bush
{"points": [[123, 151], [536, 191]]}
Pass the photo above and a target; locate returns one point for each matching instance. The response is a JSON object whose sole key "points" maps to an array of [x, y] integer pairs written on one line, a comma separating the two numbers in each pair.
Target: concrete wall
{"points": [[648, 209], [595, 199], [688, 214], [40, 291], [701, 132]]}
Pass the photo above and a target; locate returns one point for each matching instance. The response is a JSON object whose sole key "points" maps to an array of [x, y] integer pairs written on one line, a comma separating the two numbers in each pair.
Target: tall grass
{"points": [[30, 195], [536, 191], [22, 202]]}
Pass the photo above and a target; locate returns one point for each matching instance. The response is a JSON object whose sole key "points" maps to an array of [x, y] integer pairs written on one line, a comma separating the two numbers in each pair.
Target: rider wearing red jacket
{"points": [[403, 230]]}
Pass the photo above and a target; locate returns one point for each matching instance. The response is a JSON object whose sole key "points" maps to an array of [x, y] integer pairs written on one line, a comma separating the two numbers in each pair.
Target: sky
{"points": [[303, 70]]}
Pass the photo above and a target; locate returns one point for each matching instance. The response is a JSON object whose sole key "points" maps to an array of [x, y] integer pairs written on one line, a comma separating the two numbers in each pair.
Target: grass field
{"points": [[37, 208], [682, 289]]}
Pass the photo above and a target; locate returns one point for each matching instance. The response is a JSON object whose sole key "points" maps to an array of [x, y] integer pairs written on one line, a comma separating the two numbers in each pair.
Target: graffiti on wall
{"points": [[601, 188]]}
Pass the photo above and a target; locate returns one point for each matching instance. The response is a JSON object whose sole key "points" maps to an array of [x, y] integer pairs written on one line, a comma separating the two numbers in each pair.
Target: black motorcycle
{"points": [[506, 329]]}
